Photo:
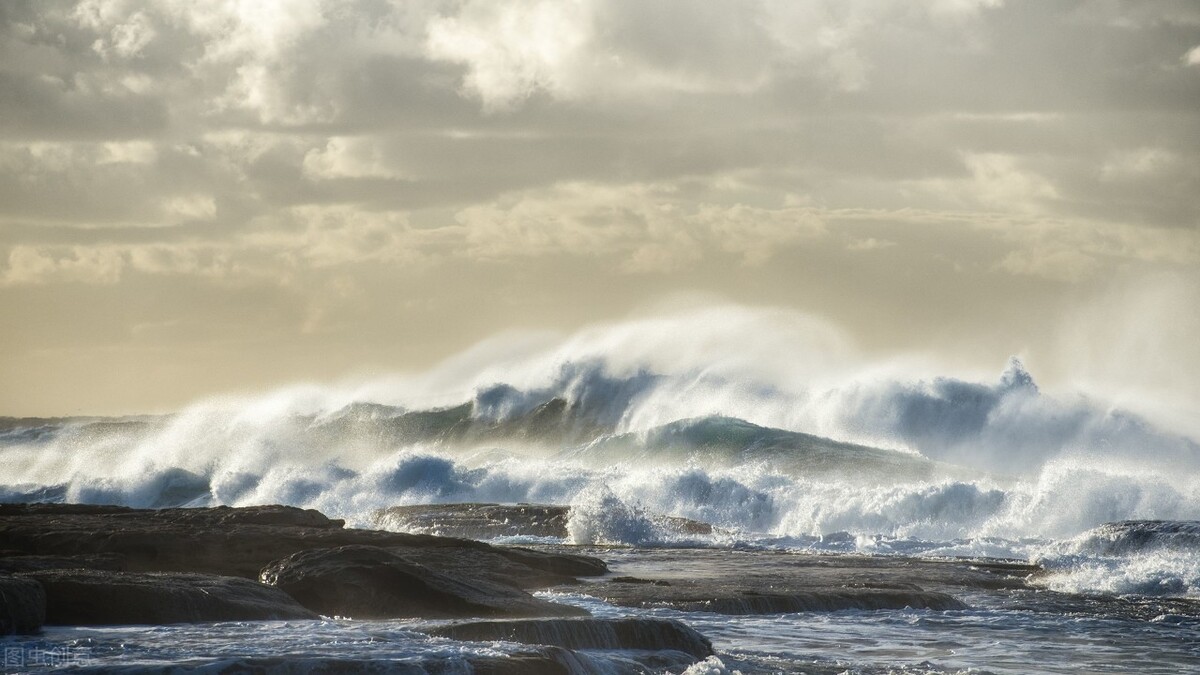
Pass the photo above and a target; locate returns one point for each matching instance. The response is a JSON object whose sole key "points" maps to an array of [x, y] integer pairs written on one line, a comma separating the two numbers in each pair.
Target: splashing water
{"points": [[763, 423]]}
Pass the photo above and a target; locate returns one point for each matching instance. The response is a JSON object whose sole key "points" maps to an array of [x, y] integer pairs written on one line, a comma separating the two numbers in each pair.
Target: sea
{"points": [[763, 423]]}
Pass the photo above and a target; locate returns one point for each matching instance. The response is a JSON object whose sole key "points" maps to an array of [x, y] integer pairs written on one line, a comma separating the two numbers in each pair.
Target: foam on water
{"points": [[1154, 558]]}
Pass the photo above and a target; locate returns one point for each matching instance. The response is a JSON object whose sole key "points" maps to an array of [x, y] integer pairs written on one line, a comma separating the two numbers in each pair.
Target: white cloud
{"points": [[995, 183], [1001, 182], [190, 207], [1192, 58], [513, 49], [592, 49], [869, 244], [648, 225], [30, 265], [1141, 162], [339, 235], [275, 250], [128, 152], [127, 39], [350, 157], [1075, 251]]}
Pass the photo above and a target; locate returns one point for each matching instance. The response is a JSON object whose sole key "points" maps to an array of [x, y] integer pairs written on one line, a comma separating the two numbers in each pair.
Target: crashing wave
{"points": [[760, 424], [1140, 536]]}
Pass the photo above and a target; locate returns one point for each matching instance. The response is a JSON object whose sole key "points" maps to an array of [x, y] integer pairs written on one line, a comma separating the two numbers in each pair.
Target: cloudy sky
{"points": [[201, 197]]}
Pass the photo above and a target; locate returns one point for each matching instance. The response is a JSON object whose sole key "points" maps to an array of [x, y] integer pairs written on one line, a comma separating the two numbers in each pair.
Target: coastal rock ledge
{"points": [[98, 597], [73, 564], [368, 582], [630, 633], [22, 606]]}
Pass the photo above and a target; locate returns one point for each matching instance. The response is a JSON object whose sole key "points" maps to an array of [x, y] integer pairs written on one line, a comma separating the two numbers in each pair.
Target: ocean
{"points": [[763, 427]]}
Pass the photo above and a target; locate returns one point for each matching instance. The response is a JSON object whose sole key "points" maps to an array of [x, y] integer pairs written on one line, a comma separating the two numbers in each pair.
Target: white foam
{"points": [[1020, 464]]}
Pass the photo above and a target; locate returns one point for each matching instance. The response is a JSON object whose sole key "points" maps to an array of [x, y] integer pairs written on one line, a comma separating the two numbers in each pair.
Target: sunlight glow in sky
{"points": [[201, 197]]}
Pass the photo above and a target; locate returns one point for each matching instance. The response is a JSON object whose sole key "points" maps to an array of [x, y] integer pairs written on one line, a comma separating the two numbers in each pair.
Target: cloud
{"points": [[869, 244], [969, 152], [513, 49], [1024, 245], [1137, 163], [1079, 251], [999, 182], [585, 49], [32, 265], [350, 157], [650, 226], [295, 243]]}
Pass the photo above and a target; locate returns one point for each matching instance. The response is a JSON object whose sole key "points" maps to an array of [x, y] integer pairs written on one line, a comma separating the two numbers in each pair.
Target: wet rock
{"points": [[545, 661], [16, 563], [231, 541], [96, 597], [632, 633], [478, 521], [367, 582], [826, 600], [747, 582], [638, 580], [22, 606], [523, 664], [556, 563], [489, 521], [502, 566]]}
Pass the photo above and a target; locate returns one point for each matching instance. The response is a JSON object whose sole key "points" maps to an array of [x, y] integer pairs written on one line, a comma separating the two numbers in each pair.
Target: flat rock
{"points": [[555, 563], [489, 521], [630, 633], [478, 521], [787, 601], [230, 541], [541, 661], [508, 568], [22, 606], [97, 597], [736, 582], [16, 563], [368, 582]]}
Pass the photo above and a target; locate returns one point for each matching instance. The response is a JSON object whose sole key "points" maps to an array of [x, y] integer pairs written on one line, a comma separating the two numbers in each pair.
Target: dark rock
{"points": [[829, 600], [523, 664], [633, 633], [477, 521], [22, 606], [545, 661], [270, 514], [498, 565], [489, 521], [14, 564], [369, 582], [95, 597], [555, 563], [226, 541], [288, 665], [765, 582], [638, 580]]}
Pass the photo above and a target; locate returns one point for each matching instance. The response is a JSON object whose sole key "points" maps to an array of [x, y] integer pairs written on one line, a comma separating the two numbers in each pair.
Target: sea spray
{"points": [[766, 425]]}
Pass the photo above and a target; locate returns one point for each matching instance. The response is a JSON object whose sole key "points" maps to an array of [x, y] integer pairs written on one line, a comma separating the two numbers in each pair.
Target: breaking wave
{"points": [[762, 424], [1155, 557]]}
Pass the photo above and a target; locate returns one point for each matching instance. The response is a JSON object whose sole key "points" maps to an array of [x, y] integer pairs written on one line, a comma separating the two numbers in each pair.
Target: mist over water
{"points": [[767, 424]]}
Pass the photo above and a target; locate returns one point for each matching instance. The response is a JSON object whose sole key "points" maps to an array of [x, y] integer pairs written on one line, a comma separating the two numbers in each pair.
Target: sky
{"points": [[232, 195]]}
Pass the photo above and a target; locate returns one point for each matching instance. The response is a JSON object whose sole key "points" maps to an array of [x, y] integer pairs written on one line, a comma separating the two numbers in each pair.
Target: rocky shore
{"points": [[81, 565], [96, 565]]}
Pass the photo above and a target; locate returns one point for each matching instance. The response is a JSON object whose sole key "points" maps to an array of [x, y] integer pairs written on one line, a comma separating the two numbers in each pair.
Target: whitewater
{"points": [[764, 424]]}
